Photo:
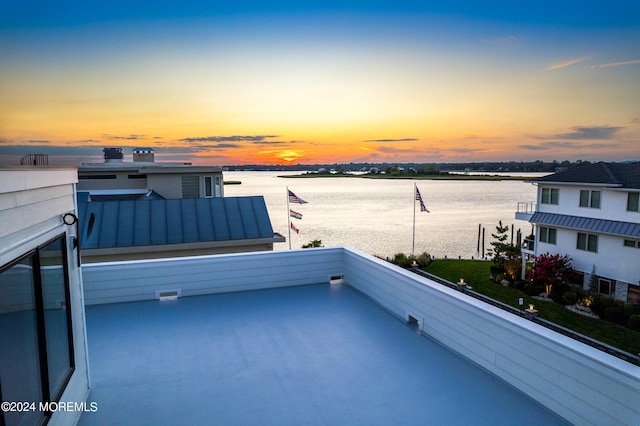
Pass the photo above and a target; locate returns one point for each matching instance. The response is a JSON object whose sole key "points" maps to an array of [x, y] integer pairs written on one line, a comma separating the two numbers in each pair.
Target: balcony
{"points": [[525, 210], [267, 339]]}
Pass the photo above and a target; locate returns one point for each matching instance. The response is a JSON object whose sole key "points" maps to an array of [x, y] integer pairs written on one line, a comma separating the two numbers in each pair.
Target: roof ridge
{"points": [[609, 172]]}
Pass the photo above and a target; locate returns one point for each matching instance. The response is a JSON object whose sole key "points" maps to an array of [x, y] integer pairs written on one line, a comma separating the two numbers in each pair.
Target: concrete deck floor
{"points": [[308, 355]]}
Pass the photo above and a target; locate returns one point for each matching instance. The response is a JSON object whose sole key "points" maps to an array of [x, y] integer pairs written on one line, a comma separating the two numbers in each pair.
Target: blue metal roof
{"points": [[603, 226], [107, 224]]}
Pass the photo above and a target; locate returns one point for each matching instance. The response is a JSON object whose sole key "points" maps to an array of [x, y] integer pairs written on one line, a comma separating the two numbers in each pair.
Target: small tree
{"points": [[314, 243], [502, 252], [550, 270]]}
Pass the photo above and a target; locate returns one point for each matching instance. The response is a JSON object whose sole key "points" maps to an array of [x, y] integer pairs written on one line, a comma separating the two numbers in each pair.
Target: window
{"points": [[97, 177], [588, 242], [190, 187], [549, 196], [218, 186], [136, 176], [590, 199], [633, 201], [547, 235], [632, 243], [208, 186], [36, 347], [604, 286]]}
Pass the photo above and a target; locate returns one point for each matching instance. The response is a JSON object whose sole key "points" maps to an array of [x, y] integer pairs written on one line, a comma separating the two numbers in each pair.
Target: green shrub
{"points": [[569, 297], [614, 314], [631, 309], [634, 322]]}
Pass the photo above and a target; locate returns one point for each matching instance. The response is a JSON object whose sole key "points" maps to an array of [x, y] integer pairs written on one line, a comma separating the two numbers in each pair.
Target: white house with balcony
{"points": [[591, 212]]}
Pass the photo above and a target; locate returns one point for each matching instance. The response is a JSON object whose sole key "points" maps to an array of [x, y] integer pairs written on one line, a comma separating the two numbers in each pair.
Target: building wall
{"points": [[613, 203], [579, 383], [613, 260], [122, 180], [32, 203]]}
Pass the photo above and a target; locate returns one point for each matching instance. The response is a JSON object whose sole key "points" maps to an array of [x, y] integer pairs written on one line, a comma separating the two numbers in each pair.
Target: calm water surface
{"points": [[376, 215]]}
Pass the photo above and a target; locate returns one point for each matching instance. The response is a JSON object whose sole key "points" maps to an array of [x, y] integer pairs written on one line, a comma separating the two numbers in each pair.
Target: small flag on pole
{"points": [[293, 198], [423, 208], [295, 215], [297, 231]]}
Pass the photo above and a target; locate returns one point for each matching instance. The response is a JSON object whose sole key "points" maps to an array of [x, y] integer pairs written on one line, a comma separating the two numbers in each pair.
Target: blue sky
{"points": [[282, 82]]}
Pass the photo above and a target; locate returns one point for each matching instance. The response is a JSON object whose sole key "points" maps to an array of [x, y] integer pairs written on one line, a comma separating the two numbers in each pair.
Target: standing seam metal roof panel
{"points": [[125, 228], [205, 227], [174, 221], [108, 225], [220, 220], [613, 227], [189, 221], [262, 217], [142, 229], [152, 222], [248, 218], [236, 226], [158, 219]]}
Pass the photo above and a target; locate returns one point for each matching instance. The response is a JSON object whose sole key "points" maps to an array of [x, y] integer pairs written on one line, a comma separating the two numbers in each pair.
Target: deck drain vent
{"points": [[336, 279], [168, 294]]}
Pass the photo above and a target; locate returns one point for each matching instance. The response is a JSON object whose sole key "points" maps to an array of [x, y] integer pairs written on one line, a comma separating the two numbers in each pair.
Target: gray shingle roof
{"points": [[625, 175], [603, 226], [107, 224]]}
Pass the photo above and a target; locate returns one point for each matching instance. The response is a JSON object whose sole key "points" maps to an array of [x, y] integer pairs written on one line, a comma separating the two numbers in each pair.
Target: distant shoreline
{"points": [[449, 176]]}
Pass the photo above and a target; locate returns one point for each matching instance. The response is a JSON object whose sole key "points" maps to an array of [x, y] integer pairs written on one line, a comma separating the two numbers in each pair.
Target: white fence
{"points": [[579, 383]]}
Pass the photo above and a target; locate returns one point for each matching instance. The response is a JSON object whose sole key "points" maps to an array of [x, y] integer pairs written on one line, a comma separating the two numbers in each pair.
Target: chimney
{"points": [[112, 154], [143, 155]]}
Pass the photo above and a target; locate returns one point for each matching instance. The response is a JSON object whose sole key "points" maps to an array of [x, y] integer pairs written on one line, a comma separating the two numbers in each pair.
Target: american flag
{"points": [[293, 198], [294, 228], [423, 208]]}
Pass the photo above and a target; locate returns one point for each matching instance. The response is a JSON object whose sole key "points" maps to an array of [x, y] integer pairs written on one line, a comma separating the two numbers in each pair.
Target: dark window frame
{"points": [[42, 350], [548, 235], [590, 198], [633, 205], [550, 196], [587, 242]]}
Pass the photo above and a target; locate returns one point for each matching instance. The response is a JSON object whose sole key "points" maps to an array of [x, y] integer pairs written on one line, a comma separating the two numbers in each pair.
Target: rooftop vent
{"points": [[113, 154], [35, 160], [143, 155], [168, 294]]}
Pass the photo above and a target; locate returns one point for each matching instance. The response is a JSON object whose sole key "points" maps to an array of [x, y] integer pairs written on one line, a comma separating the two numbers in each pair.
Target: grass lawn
{"points": [[477, 273]]}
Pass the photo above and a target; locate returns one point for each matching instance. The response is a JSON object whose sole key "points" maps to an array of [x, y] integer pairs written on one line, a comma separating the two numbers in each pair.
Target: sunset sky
{"points": [[277, 82]]}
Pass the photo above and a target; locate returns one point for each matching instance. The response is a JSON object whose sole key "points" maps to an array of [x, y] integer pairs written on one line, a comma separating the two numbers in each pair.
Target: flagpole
{"points": [[413, 244], [288, 219]]}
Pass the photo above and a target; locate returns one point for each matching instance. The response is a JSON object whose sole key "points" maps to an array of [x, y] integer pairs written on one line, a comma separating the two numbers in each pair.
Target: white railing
{"points": [[526, 207], [579, 383]]}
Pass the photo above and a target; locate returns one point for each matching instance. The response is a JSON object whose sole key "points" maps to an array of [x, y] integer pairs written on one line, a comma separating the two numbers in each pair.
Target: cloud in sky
{"points": [[567, 63], [616, 64], [392, 140], [257, 138], [132, 137], [585, 133], [556, 145]]}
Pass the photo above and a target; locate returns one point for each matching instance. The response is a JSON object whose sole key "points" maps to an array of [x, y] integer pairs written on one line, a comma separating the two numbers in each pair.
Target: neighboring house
{"points": [[591, 212], [43, 352], [144, 178], [143, 209], [145, 229]]}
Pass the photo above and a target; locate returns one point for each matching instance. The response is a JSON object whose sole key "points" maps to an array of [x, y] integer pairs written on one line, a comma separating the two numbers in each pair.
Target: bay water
{"points": [[376, 215]]}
